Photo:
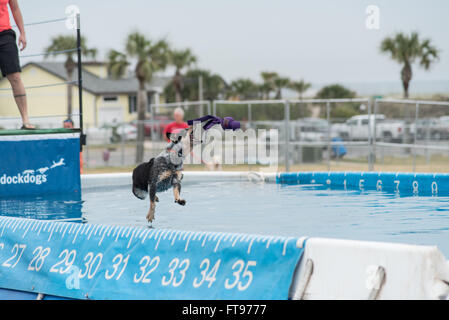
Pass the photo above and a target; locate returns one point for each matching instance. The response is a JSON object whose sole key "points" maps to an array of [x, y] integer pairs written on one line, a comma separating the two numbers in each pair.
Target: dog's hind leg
{"points": [[153, 199], [177, 189]]}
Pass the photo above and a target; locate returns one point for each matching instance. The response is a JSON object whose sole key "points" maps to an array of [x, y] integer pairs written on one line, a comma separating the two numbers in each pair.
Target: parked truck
{"points": [[361, 127]]}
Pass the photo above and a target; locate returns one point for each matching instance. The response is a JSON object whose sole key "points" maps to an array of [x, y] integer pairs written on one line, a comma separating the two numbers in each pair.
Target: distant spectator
{"points": [[177, 125], [68, 124]]}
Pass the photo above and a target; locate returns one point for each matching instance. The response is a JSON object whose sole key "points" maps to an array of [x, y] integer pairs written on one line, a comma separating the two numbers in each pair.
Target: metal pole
{"points": [[80, 81], [376, 106], [122, 147], [250, 118], [86, 163], [328, 116], [153, 122], [200, 93], [370, 139], [415, 136], [214, 107], [287, 135], [208, 108], [427, 141]]}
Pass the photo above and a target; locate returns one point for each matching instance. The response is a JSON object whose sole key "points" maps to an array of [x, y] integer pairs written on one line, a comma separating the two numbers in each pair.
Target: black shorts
{"points": [[9, 53]]}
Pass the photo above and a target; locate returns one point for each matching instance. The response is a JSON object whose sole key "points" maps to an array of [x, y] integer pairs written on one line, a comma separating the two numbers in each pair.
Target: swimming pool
{"points": [[242, 206]]}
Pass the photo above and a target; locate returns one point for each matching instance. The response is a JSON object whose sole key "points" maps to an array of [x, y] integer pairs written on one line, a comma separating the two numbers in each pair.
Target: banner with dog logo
{"points": [[39, 164]]}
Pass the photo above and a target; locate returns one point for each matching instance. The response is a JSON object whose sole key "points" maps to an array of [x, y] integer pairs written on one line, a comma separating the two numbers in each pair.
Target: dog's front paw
{"points": [[156, 199], [150, 216], [181, 202]]}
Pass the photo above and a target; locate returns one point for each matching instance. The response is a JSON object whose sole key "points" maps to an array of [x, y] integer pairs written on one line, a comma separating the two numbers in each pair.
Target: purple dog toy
{"points": [[227, 123]]}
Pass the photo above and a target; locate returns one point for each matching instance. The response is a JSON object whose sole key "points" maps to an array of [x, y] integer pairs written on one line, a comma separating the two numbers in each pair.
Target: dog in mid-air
{"points": [[163, 172]]}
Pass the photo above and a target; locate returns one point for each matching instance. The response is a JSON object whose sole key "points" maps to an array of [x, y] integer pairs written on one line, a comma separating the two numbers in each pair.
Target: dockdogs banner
{"points": [[85, 261], [39, 164]]}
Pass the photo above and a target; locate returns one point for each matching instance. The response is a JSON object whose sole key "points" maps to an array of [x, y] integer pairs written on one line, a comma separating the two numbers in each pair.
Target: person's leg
{"points": [[18, 90]]}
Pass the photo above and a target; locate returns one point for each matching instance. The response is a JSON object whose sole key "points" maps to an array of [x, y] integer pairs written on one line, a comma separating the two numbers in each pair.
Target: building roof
{"points": [[97, 85]]}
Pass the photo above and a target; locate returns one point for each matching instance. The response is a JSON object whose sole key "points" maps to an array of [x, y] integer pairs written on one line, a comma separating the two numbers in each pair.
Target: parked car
{"points": [[358, 128], [157, 125], [98, 135], [111, 134], [311, 129], [433, 128], [124, 132], [445, 121]]}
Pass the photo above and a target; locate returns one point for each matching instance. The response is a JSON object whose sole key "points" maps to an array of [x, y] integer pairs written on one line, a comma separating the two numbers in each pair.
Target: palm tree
{"points": [[244, 89], [268, 83], [335, 91], [214, 86], [280, 83], [67, 43], [406, 50], [180, 59], [150, 57], [300, 87]]}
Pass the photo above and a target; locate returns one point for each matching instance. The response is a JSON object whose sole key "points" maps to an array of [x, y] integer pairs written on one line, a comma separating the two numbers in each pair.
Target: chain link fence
{"points": [[114, 144], [333, 134], [418, 135]]}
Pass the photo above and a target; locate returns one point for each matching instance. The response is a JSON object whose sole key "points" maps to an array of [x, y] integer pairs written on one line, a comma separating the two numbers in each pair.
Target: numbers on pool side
{"points": [[379, 185], [39, 255], [434, 187], [151, 264], [415, 186], [117, 261], [241, 272], [92, 264], [17, 252], [397, 183], [178, 267], [68, 258], [206, 275], [175, 274]]}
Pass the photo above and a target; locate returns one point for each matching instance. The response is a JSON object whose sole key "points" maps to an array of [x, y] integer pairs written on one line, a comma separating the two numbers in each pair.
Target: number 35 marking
{"points": [[242, 271]]}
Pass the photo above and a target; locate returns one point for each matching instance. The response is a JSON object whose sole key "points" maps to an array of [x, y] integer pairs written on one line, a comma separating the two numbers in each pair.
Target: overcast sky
{"points": [[321, 41]]}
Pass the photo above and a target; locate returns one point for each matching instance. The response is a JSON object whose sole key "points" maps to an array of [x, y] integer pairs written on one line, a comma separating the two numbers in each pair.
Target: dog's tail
{"points": [[141, 176], [140, 193]]}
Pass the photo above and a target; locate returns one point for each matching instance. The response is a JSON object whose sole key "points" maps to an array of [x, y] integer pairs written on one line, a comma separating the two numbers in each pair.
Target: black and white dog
{"points": [[163, 172]]}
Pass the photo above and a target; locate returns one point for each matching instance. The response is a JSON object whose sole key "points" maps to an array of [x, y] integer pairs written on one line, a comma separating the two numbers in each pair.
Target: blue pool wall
{"points": [[410, 183], [81, 261]]}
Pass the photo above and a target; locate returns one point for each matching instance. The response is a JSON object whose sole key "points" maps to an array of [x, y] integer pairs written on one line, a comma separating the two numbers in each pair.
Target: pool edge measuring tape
{"points": [[115, 262], [39, 164], [408, 183]]}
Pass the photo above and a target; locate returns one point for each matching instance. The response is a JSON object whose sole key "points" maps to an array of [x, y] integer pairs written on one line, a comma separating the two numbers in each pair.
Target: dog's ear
{"points": [[168, 135]]}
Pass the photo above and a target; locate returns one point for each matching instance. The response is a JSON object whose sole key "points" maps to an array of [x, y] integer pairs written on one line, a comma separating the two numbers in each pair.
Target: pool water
{"points": [[246, 207]]}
